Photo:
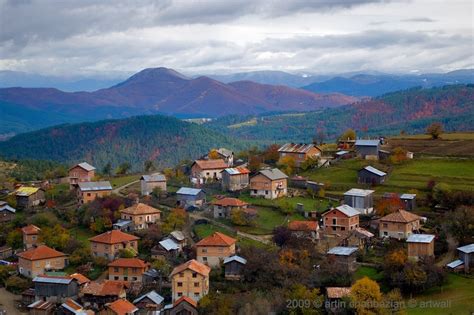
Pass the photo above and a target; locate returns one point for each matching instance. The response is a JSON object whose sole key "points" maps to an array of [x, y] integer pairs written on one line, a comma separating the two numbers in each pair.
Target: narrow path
{"points": [[8, 302], [118, 189]]}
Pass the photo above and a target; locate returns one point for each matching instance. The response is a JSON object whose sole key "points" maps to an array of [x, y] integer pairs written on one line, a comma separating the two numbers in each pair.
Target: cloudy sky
{"points": [[218, 36]]}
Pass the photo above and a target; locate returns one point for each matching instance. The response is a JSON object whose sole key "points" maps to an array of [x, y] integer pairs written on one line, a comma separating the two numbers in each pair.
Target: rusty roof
{"points": [[217, 239], [140, 208], [113, 237], [211, 164], [128, 262], [81, 279], [400, 216], [230, 202], [297, 148], [122, 307], [185, 299], [40, 252], [193, 265], [104, 288], [30, 229], [303, 226]]}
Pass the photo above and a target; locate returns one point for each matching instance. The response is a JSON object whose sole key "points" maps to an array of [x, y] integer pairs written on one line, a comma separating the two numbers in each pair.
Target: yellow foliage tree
{"points": [[287, 164], [366, 297], [213, 154]]}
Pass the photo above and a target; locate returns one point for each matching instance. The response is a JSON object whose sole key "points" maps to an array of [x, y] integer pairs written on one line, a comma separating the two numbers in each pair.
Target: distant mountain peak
{"points": [[154, 74]]}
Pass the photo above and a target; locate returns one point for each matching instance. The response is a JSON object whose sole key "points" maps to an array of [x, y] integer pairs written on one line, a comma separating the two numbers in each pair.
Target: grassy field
{"points": [[457, 295], [123, 180], [369, 272], [444, 136], [82, 234], [309, 204], [56, 190]]}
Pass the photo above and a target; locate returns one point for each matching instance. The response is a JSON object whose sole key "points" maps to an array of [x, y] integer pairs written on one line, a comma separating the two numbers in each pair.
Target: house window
{"points": [[333, 228], [254, 191], [194, 274], [266, 192], [181, 274], [196, 294], [88, 194], [343, 228], [334, 221], [116, 278], [204, 250], [204, 259], [207, 174], [125, 278], [196, 284], [385, 233], [134, 278], [180, 293], [385, 225], [179, 284]]}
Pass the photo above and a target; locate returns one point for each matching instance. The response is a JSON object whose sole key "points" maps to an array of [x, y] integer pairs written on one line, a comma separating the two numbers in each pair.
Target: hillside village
{"points": [[294, 228]]}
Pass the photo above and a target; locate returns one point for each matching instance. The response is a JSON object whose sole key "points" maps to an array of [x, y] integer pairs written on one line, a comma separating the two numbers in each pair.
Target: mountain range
{"points": [[152, 91]]}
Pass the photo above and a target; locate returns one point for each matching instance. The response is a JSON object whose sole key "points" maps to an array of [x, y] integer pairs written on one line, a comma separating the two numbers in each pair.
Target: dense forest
{"points": [[409, 110], [163, 140]]}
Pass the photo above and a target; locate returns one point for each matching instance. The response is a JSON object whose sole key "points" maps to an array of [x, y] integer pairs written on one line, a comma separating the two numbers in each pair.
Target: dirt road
{"points": [[7, 303]]}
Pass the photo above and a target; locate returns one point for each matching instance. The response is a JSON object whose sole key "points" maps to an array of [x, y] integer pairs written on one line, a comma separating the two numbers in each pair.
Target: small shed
{"points": [[42, 307], [466, 259], [233, 267], [165, 248], [7, 213], [150, 182], [420, 245], [370, 175], [27, 197], [190, 197], [55, 288], [409, 200], [6, 252], [345, 257], [368, 149], [149, 302], [360, 199]]}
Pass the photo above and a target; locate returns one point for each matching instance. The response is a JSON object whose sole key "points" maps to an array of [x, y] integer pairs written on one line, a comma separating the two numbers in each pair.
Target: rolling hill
{"points": [[161, 91], [409, 110], [164, 140]]}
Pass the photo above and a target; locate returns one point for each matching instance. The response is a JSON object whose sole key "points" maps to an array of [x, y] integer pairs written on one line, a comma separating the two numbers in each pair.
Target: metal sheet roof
{"points": [[86, 166], [122, 223], [358, 192], [342, 251], [455, 264], [152, 295], [408, 196], [467, 248], [225, 152], [296, 147], [8, 208], [374, 171], [91, 186], [169, 244], [235, 258], [57, 280], [341, 152], [368, 143], [177, 235], [420, 238], [273, 174], [157, 177], [348, 210], [189, 191]]}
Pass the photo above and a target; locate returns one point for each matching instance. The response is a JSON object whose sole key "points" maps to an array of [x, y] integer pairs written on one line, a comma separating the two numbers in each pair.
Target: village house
{"points": [[55, 289], [166, 248], [150, 182], [299, 152], [367, 149], [29, 197], [208, 169], [80, 278], [233, 267], [466, 259], [224, 207], [190, 279], [7, 214], [5, 252], [235, 179], [141, 216], [370, 175], [212, 250], [357, 237], [340, 219], [30, 236], [269, 183], [97, 294], [119, 307], [360, 199], [149, 303], [227, 155], [36, 261], [89, 191], [109, 244], [41, 307], [305, 229], [82, 172], [344, 257], [127, 269], [399, 224], [183, 306], [72, 307], [420, 246], [179, 238], [409, 200], [190, 197]]}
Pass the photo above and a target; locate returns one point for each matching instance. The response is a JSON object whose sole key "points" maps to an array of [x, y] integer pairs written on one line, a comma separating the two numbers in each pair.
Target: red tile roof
{"points": [[400, 216], [217, 239], [185, 299], [81, 279], [211, 164], [128, 262], [105, 288], [113, 237], [122, 307], [140, 208], [193, 265], [230, 202], [41, 252], [303, 226], [30, 229]]}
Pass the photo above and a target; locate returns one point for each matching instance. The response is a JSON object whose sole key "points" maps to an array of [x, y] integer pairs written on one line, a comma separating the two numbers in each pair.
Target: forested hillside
{"points": [[410, 110], [164, 140]]}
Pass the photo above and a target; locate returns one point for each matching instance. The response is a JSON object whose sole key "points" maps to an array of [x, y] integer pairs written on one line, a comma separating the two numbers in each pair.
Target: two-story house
{"points": [[150, 182], [269, 183], [89, 191], [399, 224], [36, 261], [212, 250], [300, 152], [109, 244], [127, 269], [30, 235], [191, 280], [82, 172], [340, 219], [235, 179], [141, 215], [223, 207], [208, 169]]}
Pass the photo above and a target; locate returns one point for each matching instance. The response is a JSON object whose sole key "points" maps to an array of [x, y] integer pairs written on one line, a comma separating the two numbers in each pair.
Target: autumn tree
{"points": [[349, 134], [435, 130], [15, 239], [287, 164], [55, 237], [271, 154], [399, 155], [462, 224], [366, 296], [395, 260], [174, 221], [312, 298], [388, 205], [123, 168], [213, 154], [255, 163], [240, 217]]}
